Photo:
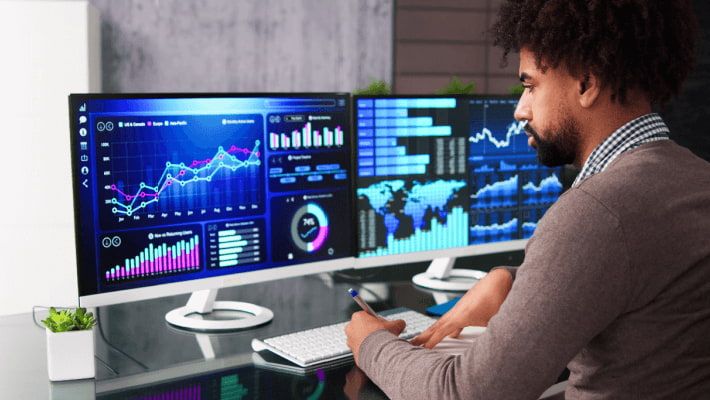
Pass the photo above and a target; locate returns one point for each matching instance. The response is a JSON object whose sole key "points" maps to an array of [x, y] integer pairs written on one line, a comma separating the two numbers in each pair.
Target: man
{"points": [[615, 283]]}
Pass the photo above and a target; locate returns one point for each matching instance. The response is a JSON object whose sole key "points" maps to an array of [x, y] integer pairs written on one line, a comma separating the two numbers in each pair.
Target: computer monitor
{"points": [[179, 193], [445, 176]]}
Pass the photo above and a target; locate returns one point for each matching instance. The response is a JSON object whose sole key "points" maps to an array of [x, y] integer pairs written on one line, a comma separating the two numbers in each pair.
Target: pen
{"points": [[366, 307]]}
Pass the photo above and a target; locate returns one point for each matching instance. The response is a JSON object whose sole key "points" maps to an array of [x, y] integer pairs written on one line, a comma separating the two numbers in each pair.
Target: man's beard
{"points": [[562, 146]]}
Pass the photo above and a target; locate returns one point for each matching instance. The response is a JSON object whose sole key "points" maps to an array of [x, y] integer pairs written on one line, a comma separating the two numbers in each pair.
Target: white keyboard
{"points": [[328, 343]]}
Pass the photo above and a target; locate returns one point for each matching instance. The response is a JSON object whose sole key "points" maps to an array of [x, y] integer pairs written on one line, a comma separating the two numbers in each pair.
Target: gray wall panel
{"points": [[244, 45]]}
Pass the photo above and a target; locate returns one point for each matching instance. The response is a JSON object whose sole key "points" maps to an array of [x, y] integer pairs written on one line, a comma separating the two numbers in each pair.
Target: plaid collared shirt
{"points": [[644, 129]]}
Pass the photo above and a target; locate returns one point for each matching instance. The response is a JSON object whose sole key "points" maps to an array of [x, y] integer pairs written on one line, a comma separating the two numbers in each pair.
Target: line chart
{"points": [[180, 174], [514, 129]]}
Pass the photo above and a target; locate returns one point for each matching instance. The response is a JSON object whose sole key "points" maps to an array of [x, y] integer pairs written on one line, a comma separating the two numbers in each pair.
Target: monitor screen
{"points": [[443, 172], [172, 188]]}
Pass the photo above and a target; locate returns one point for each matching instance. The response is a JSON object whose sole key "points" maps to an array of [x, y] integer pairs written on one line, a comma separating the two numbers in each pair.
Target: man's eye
{"points": [[528, 87]]}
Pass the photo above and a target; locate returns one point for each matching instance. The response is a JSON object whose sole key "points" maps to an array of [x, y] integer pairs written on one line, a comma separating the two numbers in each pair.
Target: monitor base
{"points": [[442, 276], [203, 302]]}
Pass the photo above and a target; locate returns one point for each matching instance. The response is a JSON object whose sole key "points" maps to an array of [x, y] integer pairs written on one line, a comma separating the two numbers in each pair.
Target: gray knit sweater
{"points": [[615, 285]]}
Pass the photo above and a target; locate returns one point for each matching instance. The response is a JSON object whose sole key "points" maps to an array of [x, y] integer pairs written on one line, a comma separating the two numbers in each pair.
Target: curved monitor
{"points": [[445, 176], [182, 192]]}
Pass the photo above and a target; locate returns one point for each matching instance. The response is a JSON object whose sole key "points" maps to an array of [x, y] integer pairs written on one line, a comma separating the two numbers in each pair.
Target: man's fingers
{"points": [[456, 333], [396, 327], [436, 338], [424, 336]]}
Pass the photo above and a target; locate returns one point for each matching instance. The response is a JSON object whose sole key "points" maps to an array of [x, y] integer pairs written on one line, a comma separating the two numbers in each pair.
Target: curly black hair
{"points": [[628, 44]]}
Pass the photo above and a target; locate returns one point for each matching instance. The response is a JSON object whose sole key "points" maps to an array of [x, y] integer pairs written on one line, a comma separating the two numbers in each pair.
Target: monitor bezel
{"points": [[215, 282], [428, 255]]}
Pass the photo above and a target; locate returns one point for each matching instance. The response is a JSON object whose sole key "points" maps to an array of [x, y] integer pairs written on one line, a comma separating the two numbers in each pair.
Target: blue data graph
{"points": [[508, 142], [171, 188], [493, 131], [494, 226], [530, 217], [412, 189], [541, 190], [157, 169], [470, 151], [508, 185], [179, 175], [495, 192], [398, 216], [408, 137]]}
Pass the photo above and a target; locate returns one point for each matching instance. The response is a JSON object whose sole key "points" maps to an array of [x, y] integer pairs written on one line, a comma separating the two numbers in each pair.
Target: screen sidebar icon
{"points": [[84, 158]]}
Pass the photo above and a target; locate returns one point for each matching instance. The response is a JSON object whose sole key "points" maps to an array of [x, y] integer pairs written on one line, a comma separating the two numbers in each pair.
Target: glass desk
{"points": [[140, 356]]}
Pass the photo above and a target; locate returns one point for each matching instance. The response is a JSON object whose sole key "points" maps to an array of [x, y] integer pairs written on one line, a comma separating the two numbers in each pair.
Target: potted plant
{"points": [[70, 344], [456, 86], [517, 90], [375, 88]]}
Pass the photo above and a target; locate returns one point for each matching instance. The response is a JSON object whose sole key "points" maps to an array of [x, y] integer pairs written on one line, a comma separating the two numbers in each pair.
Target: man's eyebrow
{"points": [[525, 77]]}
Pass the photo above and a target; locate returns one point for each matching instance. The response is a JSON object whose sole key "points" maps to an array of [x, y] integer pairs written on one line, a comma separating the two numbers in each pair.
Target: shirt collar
{"points": [[644, 129]]}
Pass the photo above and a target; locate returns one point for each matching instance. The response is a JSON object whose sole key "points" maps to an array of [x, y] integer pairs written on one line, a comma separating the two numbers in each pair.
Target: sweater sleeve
{"points": [[572, 284]]}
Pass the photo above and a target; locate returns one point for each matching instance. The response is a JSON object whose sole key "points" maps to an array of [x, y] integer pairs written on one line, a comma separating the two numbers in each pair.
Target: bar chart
{"points": [[159, 259], [307, 138], [238, 247], [396, 136], [401, 217], [235, 244], [454, 233]]}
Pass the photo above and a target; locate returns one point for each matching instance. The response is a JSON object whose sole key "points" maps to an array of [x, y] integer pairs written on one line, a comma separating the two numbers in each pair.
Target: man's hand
{"points": [[363, 324], [475, 308]]}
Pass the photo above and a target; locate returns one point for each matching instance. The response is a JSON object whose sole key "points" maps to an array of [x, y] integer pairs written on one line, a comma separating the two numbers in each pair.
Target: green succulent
{"points": [[375, 88], [517, 90], [69, 320], [457, 87]]}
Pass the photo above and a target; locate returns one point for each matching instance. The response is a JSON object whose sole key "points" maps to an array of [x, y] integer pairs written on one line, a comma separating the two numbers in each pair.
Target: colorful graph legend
{"points": [[159, 259]]}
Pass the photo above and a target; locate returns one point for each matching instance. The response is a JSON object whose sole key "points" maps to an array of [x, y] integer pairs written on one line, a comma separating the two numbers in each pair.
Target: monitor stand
{"points": [[203, 302], [441, 275]]}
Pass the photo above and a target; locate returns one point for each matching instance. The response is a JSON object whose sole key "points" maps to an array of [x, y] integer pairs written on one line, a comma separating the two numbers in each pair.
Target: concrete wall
{"points": [[148, 46], [245, 45]]}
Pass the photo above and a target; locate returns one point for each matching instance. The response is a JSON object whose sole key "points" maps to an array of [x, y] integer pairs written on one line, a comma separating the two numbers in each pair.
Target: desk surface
{"points": [[139, 356]]}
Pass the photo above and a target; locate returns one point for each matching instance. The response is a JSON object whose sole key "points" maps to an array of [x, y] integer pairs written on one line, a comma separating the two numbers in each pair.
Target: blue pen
{"points": [[366, 307]]}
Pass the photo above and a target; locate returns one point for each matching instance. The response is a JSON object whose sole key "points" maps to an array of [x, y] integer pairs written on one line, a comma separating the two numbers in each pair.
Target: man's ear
{"points": [[589, 90]]}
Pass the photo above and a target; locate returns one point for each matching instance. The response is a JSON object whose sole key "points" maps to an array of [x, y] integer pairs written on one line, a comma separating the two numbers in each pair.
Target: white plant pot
{"points": [[70, 355]]}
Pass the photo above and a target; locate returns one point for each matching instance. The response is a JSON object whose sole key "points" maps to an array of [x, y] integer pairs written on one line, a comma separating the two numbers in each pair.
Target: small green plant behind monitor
{"points": [[375, 88], [517, 90], [456, 86]]}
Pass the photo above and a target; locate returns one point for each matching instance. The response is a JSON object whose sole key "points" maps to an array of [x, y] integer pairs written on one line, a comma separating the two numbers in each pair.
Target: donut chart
{"points": [[309, 227]]}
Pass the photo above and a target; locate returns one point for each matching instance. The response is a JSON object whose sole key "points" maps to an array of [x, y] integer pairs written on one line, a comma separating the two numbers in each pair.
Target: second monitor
{"points": [[440, 177]]}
